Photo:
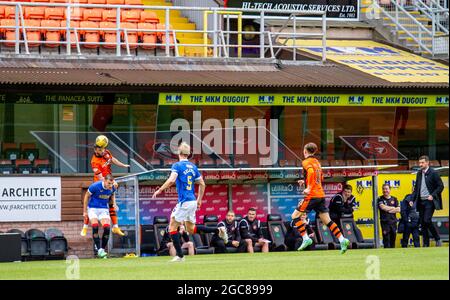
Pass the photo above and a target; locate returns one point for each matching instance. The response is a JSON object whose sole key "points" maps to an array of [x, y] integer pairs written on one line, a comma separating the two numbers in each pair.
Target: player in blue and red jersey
{"points": [[96, 207], [185, 174]]}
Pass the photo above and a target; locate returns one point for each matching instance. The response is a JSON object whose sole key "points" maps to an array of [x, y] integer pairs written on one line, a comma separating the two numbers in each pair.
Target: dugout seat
{"points": [[6, 166], [29, 150], [277, 232], [353, 162], [434, 163], [37, 242], [288, 163], [42, 166], [353, 234], [224, 163], [25, 246], [148, 242], [10, 150], [444, 163], [57, 243], [325, 236], [168, 162], [24, 166], [200, 247], [159, 224], [413, 165], [210, 221]]}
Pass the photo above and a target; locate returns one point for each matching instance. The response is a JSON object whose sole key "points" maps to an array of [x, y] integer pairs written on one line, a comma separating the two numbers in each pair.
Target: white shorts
{"points": [[98, 213], [185, 212]]}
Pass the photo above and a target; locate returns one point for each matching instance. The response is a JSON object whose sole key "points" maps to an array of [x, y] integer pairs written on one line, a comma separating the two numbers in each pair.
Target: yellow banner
{"points": [[213, 99], [379, 60], [401, 185]]}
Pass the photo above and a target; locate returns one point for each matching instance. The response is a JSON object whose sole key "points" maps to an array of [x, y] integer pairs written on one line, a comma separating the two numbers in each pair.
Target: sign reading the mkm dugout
{"points": [[25, 199], [336, 9]]}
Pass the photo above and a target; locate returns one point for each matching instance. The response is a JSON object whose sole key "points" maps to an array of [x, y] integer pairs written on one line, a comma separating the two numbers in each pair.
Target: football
{"points": [[101, 141]]}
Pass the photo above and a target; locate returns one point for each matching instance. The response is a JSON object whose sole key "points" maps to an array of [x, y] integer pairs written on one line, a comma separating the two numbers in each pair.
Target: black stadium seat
{"points": [[277, 232], [37, 243], [200, 248], [159, 224], [25, 249], [326, 236], [353, 234], [57, 243], [210, 221]]}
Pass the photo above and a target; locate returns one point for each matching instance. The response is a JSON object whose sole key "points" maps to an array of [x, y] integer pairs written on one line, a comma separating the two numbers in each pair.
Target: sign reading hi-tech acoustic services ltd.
{"points": [[25, 199], [336, 9]]}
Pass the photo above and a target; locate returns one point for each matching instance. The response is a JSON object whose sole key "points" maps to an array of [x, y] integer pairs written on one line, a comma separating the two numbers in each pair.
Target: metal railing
{"points": [[218, 44], [433, 10], [424, 37]]}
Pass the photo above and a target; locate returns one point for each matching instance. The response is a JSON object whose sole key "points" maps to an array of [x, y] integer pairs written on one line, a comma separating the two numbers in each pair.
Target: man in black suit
{"points": [[427, 194]]}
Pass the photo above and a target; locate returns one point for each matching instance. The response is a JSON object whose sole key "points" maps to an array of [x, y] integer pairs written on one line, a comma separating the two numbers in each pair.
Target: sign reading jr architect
{"points": [[336, 9], [25, 199]]}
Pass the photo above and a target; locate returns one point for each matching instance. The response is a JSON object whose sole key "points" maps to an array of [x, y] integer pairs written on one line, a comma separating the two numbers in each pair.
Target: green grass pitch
{"points": [[422, 263]]}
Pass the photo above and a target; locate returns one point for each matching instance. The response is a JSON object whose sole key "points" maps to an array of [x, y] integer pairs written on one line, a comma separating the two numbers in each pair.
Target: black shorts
{"points": [[316, 204]]}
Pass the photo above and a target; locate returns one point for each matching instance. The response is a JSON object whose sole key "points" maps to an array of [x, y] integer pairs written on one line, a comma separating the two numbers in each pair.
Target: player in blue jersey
{"points": [[96, 207], [185, 175]]}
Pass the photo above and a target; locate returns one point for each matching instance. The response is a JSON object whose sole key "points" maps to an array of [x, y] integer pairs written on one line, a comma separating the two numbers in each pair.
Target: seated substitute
{"points": [[234, 238], [251, 234], [342, 205], [293, 238], [167, 243]]}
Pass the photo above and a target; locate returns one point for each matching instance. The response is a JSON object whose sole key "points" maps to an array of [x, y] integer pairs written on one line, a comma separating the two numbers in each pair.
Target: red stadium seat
{"points": [[132, 36], [444, 163], [96, 1], [353, 162], [55, 13], [24, 146], [162, 36], [59, 1], [109, 36], [76, 13], [90, 35], [2, 12], [50, 35], [337, 162], [73, 37], [33, 34], [147, 37], [92, 14], [149, 17], [9, 36], [130, 16], [10, 12], [109, 15], [34, 12], [115, 2]]}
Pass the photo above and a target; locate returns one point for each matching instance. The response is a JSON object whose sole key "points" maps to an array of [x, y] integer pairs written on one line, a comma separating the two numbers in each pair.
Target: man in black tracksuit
{"points": [[389, 207], [342, 205], [409, 222], [234, 238], [251, 234]]}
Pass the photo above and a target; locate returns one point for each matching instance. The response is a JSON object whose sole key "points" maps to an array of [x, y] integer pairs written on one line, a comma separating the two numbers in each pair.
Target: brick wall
{"points": [[78, 245]]}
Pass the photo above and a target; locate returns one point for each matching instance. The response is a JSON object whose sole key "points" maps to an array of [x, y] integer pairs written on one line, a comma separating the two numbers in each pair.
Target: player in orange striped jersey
{"points": [[314, 199], [101, 165]]}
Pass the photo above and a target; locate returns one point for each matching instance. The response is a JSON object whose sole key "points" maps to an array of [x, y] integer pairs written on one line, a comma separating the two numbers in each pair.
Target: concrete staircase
{"points": [[178, 21], [407, 27]]}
